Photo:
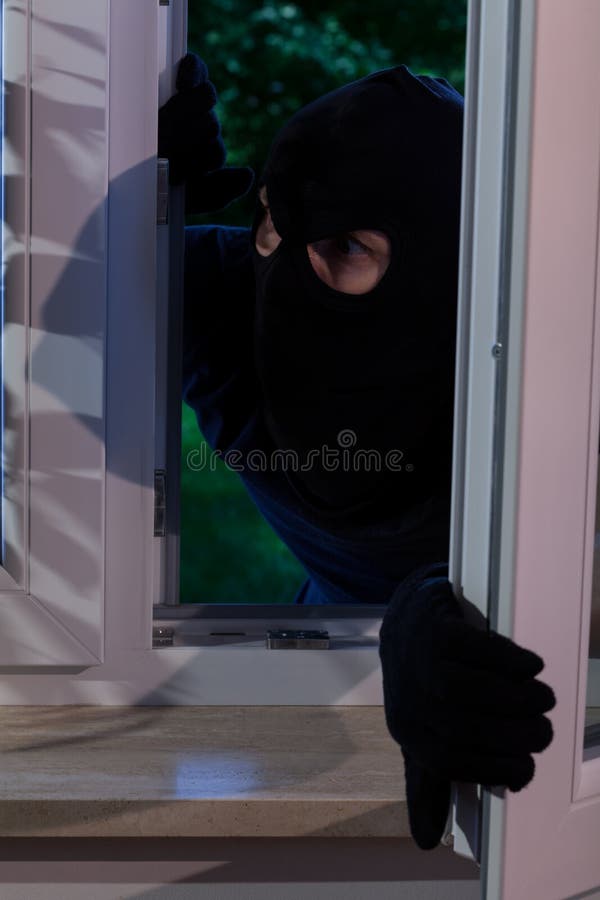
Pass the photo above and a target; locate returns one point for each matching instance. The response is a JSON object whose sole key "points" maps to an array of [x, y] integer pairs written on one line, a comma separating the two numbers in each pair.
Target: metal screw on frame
{"points": [[162, 636]]}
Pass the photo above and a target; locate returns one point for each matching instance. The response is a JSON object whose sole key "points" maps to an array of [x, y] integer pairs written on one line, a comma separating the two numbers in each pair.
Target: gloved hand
{"points": [[189, 136], [463, 704]]}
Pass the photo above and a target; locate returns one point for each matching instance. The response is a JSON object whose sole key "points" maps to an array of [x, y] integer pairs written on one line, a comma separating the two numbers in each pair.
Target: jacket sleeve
{"points": [[218, 380]]}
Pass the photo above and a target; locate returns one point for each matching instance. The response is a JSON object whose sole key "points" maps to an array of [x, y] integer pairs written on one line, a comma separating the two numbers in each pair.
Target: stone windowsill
{"points": [[87, 771]]}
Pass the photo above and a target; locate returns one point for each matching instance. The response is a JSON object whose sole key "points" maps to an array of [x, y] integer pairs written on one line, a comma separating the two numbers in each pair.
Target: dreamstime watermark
{"points": [[346, 457]]}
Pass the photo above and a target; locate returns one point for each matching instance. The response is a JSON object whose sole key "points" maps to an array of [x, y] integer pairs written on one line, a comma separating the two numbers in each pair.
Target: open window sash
{"points": [[79, 235], [527, 418]]}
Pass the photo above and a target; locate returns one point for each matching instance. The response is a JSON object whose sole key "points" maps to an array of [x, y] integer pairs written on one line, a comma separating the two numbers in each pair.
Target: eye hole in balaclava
{"points": [[367, 374], [351, 262]]}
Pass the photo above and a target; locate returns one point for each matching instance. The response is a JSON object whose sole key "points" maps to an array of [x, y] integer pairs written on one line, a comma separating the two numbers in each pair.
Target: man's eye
{"points": [[342, 245], [349, 246], [352, 262]]}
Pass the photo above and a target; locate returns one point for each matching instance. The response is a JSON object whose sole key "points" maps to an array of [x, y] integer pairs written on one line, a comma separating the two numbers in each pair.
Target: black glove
{"points": [[463, 704], [189, 136]]}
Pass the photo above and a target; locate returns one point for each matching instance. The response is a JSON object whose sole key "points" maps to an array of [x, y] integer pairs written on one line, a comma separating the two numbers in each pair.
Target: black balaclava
{"points": [[370, 372]]}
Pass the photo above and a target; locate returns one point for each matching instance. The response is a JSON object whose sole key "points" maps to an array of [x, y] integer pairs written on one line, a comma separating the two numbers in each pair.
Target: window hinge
{"points": [[162, 192], [160, 502]]}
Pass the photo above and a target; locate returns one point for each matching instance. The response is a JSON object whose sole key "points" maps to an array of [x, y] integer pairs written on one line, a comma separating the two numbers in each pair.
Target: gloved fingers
{"points": [[200, 129], [428, 800], [198, 158], [457, 640], [181, 112], [201, 156], [503, 736], [189, 136], [454, 682], [216, 190], [515, 773], [191, 141], [183, 130], [473, 766], [196, 101], [192, 71]]}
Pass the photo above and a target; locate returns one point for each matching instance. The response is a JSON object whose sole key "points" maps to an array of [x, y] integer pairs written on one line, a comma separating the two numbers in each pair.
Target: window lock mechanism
{"points": [[278, 639], [162, 192], [160, 502]]}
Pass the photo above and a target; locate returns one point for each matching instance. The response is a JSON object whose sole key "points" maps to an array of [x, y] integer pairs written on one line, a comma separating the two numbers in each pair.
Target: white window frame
{"points": [[534, 843], [82, 232], [51, 651], [498, 70], [51, 584]]}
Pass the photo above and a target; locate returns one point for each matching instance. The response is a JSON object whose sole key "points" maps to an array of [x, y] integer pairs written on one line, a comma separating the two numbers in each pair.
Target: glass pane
{"points": [[229, 554]]}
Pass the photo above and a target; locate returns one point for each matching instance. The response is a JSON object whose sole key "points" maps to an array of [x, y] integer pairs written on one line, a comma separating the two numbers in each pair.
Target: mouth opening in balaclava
{"points": [[360, 387]]}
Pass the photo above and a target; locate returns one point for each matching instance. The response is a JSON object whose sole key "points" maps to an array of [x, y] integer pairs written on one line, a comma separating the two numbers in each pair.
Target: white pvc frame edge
{"points": [[481, 226], [50, 412], [518, 104], [560, 814], [16, 231], [482, 223], [542, 842]]}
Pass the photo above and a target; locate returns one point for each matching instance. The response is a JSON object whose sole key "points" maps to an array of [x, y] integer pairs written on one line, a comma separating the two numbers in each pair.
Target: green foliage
{"points": [[228, 552], [269, 59]]}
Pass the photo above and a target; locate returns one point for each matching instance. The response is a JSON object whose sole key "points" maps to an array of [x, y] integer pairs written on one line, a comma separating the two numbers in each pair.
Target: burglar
{"points": [[318, 356]]}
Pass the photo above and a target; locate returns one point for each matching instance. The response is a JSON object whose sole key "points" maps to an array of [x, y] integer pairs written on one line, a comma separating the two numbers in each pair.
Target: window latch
{"points": [[160, 502], [278, 639], [162, 192]]}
